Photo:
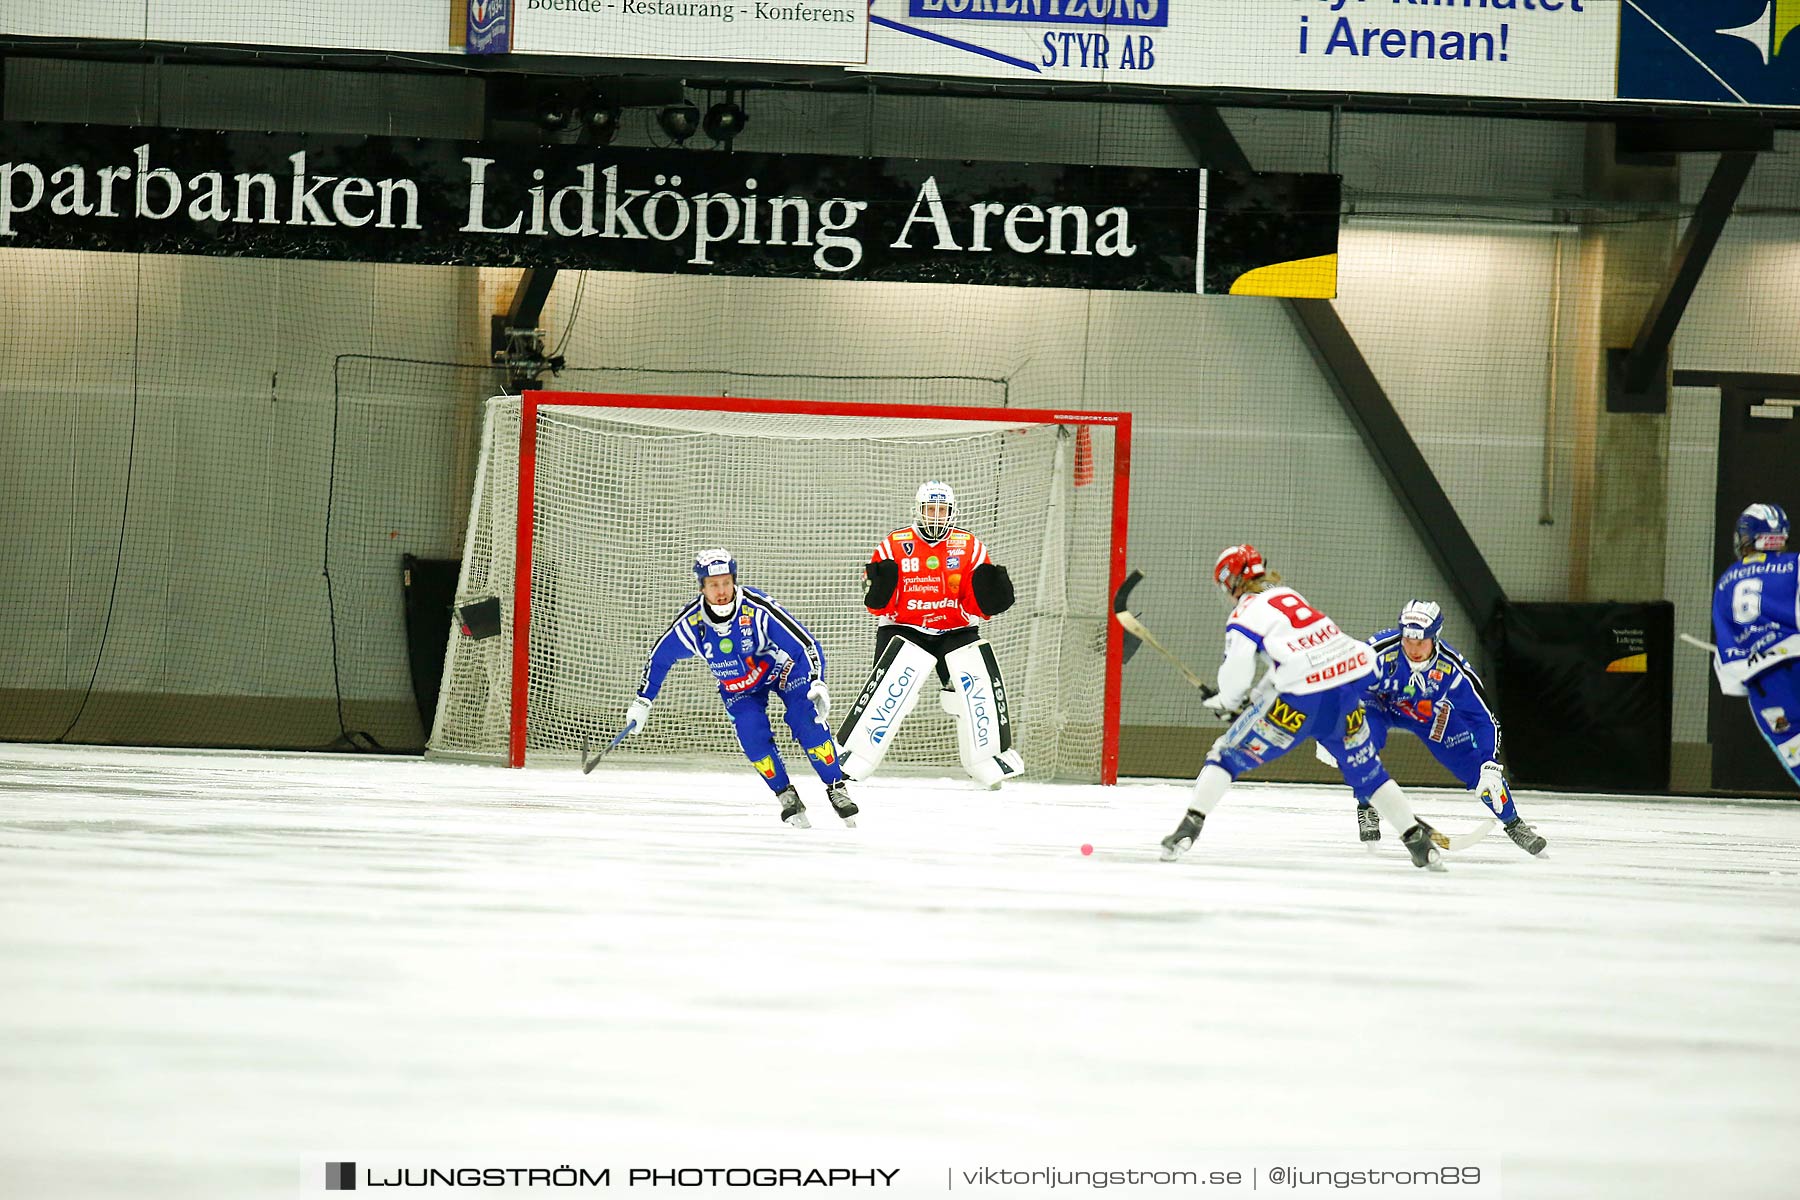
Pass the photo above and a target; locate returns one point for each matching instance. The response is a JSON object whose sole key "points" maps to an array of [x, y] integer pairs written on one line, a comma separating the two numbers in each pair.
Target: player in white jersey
{"points": [[1312, 687]]}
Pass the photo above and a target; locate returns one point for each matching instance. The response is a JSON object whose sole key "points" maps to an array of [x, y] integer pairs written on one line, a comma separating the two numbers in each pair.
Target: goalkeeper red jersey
{"points": [[934, 592]]}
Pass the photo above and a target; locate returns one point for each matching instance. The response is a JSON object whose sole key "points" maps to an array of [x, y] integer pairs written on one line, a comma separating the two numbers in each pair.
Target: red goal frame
{"points": [[1120, 422]]}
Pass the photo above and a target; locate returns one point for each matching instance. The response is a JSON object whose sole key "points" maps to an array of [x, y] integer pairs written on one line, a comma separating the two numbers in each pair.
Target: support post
{"points": [[1637, 378], [516, 340]]}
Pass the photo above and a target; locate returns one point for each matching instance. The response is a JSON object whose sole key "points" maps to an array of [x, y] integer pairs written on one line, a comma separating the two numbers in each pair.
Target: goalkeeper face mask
{"points": [[937, 508]]}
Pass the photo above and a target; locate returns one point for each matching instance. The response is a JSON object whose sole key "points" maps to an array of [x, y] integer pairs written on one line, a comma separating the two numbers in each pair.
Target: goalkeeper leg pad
{"points": [[983, 726], [902, 671]]}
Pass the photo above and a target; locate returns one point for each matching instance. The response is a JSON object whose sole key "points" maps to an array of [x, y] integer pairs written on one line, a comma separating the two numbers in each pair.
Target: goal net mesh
{"points": [[625, 497]]}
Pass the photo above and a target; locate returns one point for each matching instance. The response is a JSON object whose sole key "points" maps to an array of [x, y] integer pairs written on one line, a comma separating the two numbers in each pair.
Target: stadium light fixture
{"points": [[679, 121], [725, 121], [599, 118], [553, 113]]}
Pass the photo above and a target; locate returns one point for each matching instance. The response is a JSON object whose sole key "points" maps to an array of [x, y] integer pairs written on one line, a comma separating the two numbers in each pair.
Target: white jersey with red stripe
{"points": [[1308, 651]]}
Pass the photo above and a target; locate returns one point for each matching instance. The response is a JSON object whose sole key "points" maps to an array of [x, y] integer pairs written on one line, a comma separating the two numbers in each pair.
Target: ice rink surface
{"points": [[218, 972]]}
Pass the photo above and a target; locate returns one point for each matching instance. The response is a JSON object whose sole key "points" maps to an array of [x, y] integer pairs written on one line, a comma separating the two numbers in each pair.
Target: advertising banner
{"points": [[1701, 51], [171, 191], [1584, 692], [1718, 52], [487, 27], [1562, 49], [823, 32]]}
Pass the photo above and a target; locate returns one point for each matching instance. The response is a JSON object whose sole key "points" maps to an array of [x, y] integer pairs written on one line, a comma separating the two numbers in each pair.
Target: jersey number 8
{"points": [[1295, 610]]}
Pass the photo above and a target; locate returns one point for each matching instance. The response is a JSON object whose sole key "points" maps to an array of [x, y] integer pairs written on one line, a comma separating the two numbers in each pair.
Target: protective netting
{"points": [[205, 517], [624, 498]]}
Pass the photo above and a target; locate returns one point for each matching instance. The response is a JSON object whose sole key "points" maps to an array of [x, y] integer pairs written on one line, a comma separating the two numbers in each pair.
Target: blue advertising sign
{"points": [[1711, 51], [490, 27]]}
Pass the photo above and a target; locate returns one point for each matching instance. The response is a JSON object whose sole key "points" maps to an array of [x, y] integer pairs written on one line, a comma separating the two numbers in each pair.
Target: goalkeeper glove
{"points": [[992, 587], [883, 576]]}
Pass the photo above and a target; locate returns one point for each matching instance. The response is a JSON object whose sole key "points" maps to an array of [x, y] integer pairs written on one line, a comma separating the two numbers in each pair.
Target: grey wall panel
{"points": [[209, 97]]}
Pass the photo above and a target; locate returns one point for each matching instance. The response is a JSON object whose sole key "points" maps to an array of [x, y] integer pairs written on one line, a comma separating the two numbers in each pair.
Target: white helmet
{"points": [[934, 493]]}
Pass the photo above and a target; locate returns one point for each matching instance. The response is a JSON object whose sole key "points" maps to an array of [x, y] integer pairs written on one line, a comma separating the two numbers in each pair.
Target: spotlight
{"points": [[599, 118], [679, 121], [724, 121], [553, 114]]}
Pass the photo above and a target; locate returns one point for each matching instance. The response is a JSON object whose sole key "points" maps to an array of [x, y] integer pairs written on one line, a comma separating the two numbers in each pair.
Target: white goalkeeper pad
{"points": [[983, 724], [900, 674]]}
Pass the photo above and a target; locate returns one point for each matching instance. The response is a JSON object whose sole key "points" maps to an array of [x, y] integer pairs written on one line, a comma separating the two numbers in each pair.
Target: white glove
{"points": [[1226, 707], [820, 698], [637, 716], [1492, 783], [1323, 755]]}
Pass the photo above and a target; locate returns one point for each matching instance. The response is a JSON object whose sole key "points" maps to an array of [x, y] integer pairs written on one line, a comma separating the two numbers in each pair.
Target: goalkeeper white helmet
{"points": [[937, 508]]}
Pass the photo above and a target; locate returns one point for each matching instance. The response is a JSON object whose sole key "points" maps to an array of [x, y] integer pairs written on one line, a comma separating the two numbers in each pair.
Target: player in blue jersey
{"points": [[1422, 685], [754, 648], [1756, 623]]}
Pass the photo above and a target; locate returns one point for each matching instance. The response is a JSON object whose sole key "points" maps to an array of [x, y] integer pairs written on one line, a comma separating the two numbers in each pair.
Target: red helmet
{"points": [[1236, 565]]}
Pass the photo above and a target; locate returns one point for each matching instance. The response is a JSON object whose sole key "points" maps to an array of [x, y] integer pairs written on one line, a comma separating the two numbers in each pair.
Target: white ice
{"points": [[218, 972]]}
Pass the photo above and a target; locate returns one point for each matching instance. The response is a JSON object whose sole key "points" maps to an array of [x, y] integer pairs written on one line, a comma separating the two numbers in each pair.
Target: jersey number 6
{"points": [[1746, 601]]}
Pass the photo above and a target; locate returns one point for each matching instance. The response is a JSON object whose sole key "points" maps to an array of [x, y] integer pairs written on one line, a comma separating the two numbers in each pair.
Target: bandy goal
{"points": [[589, 508]]}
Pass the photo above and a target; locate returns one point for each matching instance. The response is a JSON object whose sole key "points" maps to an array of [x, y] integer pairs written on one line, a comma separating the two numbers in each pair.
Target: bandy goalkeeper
{"points": [[930, 583]]}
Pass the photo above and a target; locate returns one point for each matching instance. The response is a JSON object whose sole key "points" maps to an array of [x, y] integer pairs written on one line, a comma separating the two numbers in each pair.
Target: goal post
{"points": [[588, 509]]}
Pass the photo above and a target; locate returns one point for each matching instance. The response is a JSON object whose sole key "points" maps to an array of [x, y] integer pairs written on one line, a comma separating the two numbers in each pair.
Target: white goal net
{"points": [[624, 496]]}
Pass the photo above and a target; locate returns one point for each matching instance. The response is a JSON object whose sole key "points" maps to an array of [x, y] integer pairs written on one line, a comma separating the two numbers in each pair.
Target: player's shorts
{"points": [[1334, 717], [939, 643], [1460, 753], [1775, 703]]}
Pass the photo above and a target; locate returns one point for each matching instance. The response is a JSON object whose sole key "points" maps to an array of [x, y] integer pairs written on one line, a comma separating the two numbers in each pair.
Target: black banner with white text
{"points": [[269, 195]]}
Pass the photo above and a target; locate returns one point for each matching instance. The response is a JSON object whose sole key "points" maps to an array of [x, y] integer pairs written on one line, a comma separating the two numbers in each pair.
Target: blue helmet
{"points": [[1421, 619], [714, 562], [1761, 527]]}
